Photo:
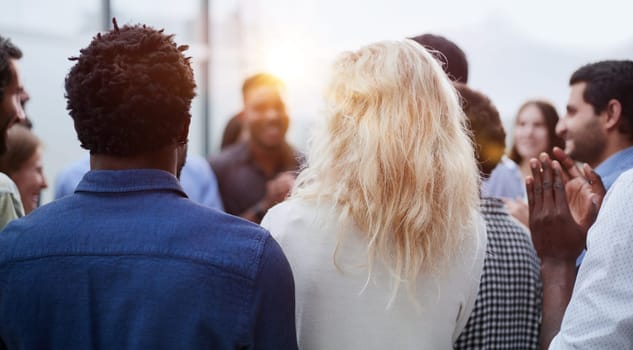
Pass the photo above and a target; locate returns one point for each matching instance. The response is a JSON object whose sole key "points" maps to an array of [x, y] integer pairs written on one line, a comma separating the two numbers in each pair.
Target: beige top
{"points": [[340, 309], [10, 202]]}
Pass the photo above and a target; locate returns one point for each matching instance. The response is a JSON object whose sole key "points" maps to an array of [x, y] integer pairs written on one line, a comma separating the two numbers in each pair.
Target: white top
{"points": [[600, 313], [335, 311]]}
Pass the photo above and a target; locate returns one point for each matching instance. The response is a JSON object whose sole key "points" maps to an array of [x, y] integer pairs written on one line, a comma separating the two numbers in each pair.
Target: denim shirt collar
{"points": [[112, 181]]}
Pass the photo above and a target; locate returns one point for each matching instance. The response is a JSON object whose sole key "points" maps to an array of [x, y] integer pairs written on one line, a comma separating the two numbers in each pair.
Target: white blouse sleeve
{"points": [[474, 264]]}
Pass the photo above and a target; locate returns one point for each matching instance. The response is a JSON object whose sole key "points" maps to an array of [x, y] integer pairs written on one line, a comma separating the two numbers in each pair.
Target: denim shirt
{"points": [[128, 262]]}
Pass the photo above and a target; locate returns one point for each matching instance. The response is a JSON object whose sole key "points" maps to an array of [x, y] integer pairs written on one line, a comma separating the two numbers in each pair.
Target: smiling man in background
{"points": [[598, 125], [257, 173]]}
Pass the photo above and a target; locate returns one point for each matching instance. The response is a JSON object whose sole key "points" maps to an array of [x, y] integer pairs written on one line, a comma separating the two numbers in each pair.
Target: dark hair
{"points": [[607, 80], [7, 51], [485, 124], [453, 59], [551, 119], [260, 79], [130, 91], [21, 145]]}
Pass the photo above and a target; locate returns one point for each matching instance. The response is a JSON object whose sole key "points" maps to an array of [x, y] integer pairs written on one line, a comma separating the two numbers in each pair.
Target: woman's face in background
{"points": [[530, 132], [30, 181]]}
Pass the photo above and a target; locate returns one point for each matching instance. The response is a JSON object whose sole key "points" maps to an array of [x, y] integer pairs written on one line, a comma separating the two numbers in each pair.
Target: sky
{"points": [[296, 29]]}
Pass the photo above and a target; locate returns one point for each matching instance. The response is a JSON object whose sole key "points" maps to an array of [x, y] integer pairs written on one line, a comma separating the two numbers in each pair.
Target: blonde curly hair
{"points": [[393, 154]]}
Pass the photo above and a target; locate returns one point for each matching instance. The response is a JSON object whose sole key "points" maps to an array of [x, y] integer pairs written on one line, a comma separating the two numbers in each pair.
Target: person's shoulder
{"points": [[7, 185], [508, 240], [296, 218], [43, 216], [474, 241], [17, 239], [221, 239], [191, 233], [233, 154], [621, 189], [625, 180], [618, 195]]}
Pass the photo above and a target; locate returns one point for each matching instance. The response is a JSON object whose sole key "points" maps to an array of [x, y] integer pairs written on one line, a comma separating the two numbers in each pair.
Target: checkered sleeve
{"points": [[507, 312]]}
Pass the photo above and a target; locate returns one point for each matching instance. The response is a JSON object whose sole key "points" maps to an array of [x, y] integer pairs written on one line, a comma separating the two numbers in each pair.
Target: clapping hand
{"points": [[556, 235], [584, 191]]}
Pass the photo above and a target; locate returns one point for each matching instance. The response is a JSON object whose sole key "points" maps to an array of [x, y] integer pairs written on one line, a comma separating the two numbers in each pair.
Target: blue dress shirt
{"points": [[128, 262]]}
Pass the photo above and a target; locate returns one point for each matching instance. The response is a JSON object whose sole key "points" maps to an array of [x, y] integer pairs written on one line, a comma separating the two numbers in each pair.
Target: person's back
{"points": [[132, 264], [507, 311], [382, 229], [337, 306], [127, 261]]}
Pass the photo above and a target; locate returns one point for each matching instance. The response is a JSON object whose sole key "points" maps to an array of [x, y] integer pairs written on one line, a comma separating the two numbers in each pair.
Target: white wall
{"points": [[516, 50]]}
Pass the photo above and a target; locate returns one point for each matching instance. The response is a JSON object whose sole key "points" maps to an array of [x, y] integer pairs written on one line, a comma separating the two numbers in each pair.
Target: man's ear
{"points": [[614, 114], [183, 136]]}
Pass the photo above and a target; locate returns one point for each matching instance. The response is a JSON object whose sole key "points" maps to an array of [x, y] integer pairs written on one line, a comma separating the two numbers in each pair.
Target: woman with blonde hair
{"points": [[382, 229]]}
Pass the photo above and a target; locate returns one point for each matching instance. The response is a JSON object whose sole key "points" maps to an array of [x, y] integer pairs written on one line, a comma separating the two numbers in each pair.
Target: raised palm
{"points": [[584, 190]]}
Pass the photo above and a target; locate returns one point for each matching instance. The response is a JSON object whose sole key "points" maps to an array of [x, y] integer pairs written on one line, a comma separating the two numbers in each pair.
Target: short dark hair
{"points": [[608, 80], [130, 91], [260, 79], [485, 124], [453, 58], [7, 51], [551, 119]]}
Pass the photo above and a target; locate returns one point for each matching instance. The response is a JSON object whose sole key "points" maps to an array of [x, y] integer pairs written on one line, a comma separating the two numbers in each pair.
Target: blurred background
{"points": [[516, 49]]}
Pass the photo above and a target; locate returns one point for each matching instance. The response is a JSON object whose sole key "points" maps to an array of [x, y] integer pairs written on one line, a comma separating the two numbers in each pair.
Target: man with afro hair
{"points": [[128, 261]]}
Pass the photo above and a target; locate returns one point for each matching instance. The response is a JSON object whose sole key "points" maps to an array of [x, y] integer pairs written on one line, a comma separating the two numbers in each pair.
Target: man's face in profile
{"points": [[11, 110]]}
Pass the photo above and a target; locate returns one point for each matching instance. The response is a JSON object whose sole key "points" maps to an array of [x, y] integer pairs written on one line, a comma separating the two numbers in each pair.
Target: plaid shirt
{"points": [[507, 311]]}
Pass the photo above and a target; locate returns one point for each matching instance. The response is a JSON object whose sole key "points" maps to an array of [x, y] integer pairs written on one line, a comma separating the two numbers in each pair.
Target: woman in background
{"points": [[534, 132], [382, 229], [22, 162]]}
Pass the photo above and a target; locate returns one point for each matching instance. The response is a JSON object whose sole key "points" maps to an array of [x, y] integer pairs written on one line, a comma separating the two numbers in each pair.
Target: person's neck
{"points": [[162, 159], [267, 159]]}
